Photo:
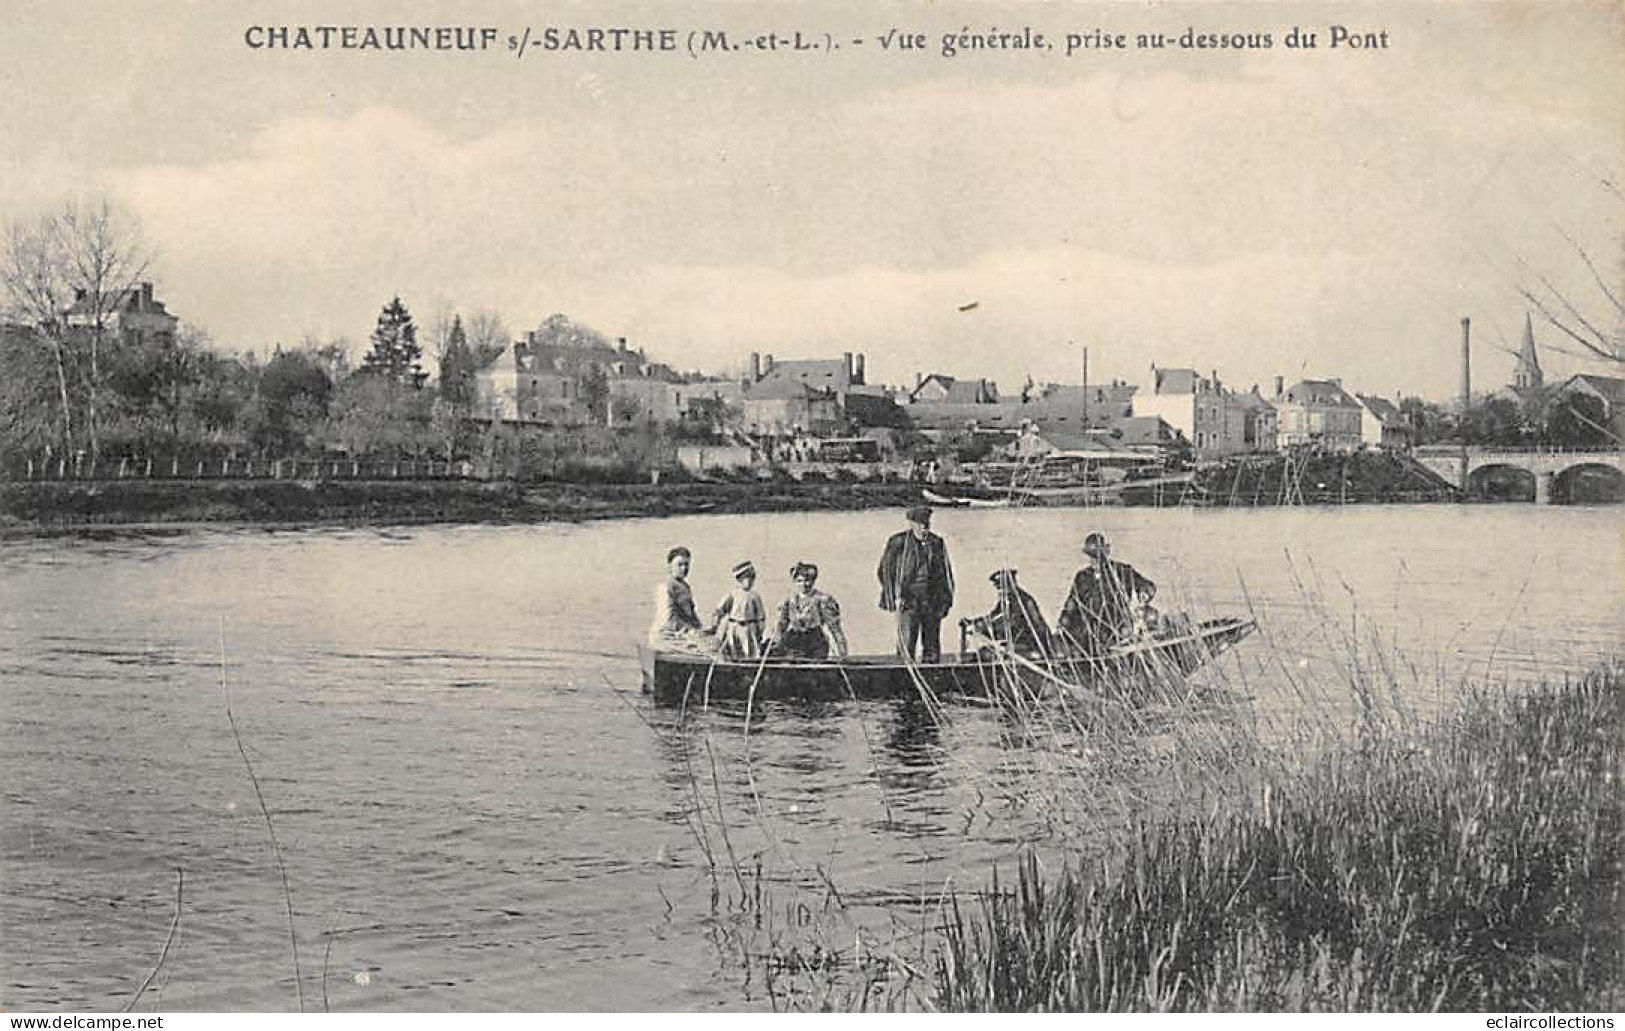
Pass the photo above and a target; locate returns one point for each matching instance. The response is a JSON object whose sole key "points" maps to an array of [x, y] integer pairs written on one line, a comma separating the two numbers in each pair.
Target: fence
{"points": [[31, 468]]}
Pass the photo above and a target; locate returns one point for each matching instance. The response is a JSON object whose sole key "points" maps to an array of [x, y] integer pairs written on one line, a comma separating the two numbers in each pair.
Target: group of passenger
{"points": [[917, 586], [808, 623]]}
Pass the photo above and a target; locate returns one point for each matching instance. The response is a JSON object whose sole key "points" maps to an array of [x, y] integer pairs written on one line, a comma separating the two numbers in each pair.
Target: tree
{"points": [[488, 337], [1497, 421], [1578, 420], [290, 402], [375, 416], [595, 391], [457, 368], [67, 275], [1429, 423], [395, 353]]}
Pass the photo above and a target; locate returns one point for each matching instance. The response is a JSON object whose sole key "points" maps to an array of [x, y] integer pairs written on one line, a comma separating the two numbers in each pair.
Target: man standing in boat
{"points": [[917, 583], [1100, 607]]}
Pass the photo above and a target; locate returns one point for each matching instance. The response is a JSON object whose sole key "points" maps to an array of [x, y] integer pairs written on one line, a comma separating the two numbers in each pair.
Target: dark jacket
{"points": [[907, 560], [1018, 622], [1097, 608]]}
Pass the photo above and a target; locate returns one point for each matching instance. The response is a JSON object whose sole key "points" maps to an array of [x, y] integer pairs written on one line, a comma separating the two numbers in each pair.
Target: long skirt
{"points": [[804, 644]]}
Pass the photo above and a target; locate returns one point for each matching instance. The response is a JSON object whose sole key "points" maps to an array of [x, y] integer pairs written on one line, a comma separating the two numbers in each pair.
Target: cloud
{"points": [[1248, 220]]}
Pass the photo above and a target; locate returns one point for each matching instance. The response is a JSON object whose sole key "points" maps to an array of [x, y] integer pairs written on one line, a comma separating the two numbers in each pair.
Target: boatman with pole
{"points": [[917, 583]]}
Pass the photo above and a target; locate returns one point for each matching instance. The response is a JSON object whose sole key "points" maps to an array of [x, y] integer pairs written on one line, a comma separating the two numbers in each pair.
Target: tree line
{"points": [[79, 382]]}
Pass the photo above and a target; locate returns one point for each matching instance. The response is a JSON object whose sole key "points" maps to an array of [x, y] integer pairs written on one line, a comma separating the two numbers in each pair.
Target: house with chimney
{"points": [[1208, 415], [1382, 425], [1318, 413], [130, 316]]}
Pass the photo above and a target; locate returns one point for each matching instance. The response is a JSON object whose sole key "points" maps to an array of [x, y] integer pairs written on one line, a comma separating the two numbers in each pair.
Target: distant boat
{"points": [[696, 679]]}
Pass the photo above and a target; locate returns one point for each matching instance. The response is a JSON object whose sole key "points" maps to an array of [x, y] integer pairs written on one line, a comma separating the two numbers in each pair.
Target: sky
{"points": [[1269, 212]]}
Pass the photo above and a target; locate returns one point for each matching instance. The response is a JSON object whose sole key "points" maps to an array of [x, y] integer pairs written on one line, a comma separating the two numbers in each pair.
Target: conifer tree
{"points": [[395, 352]]}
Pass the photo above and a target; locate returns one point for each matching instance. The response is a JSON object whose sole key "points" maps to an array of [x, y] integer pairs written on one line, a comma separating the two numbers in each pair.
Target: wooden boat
{"points": [[696, 679]]}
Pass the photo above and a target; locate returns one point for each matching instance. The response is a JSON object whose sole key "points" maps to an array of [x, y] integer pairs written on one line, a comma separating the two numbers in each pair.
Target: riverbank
{"points": [[70, 505], [1477, 866]]}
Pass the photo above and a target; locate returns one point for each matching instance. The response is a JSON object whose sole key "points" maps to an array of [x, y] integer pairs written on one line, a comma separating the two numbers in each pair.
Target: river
{"points": [[478, 810]]}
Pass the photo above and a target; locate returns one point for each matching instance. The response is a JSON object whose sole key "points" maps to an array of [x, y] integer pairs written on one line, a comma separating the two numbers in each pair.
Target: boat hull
{"points": [[698, 680]]}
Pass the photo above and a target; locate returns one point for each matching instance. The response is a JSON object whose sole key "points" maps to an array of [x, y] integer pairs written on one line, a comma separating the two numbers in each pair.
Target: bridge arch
{"points": [[1588, 483], [1501, 481]]}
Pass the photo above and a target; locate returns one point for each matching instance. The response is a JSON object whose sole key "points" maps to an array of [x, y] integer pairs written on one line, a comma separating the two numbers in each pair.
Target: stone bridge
{"points": [[1553, 471]]}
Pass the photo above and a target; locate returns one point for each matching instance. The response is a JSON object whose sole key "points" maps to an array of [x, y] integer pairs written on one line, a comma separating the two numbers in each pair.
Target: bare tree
{"points": [[69, 275], [488, 336]]}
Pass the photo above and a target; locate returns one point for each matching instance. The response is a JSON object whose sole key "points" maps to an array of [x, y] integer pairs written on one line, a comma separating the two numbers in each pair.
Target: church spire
{"points": [[1528, 375]]}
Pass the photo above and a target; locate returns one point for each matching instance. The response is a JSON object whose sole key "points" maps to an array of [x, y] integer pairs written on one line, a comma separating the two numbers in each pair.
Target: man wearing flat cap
{"points": [[1099, 609], [917, 583], [1016, 622]]}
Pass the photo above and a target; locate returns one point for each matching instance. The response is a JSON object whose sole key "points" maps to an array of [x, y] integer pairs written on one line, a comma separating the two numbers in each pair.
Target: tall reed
{"points": [[1474, 866]]}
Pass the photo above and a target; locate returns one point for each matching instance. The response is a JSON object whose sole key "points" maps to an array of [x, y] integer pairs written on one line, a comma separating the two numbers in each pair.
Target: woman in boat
{"points": [[809, 625], [740, 620], [676, 626]]}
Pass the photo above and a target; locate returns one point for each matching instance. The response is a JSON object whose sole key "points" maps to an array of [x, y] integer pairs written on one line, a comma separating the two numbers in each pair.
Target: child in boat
{"points": [[809, 625], [740, 621], [676, 626]]}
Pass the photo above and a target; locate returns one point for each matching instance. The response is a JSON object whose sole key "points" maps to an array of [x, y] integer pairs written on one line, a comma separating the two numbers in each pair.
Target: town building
{"points": [[938, 388], [840, 375], [1527, 376], [1319, 413], [129, 317], [1210, 417], [789, 407], [1382, 425], [1609, 390]]}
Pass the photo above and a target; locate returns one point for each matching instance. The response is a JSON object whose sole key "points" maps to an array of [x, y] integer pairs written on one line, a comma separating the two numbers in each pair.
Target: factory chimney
{"points": [[1466, 363]]}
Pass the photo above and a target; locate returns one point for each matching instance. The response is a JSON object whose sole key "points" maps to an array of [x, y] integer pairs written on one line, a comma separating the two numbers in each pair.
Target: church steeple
{"points": [[1528, 375]]}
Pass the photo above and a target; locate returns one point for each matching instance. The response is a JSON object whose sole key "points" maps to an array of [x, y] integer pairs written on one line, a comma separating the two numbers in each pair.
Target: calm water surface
{"points": [[479, 810]]}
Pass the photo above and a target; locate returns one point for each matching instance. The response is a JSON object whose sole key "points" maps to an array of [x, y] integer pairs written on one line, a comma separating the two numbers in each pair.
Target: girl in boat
{"points": [[809, 625], [676, 625], [740, 621]]}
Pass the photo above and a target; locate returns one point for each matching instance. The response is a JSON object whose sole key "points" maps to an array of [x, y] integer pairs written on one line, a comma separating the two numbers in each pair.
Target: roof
{"points": [[1385, 410], [135, 298], [1085, 445], [955, 391], [1318, 392], [1174, 381], [941, 415], [1249, 400], [1144, 429], [1610, 388], [831, 369], [1074, 393], [783, 390]]}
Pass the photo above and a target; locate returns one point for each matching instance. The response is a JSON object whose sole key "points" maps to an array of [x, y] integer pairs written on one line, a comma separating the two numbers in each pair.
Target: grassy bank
{"points": [[1476, 867], [74, 504]]}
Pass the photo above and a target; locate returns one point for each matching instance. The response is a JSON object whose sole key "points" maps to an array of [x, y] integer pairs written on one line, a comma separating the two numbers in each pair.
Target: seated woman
{"points": [[676, 626], [809, 624]]}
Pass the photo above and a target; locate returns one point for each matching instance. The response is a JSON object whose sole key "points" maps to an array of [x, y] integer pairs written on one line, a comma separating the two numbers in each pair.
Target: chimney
{"points": [[755, 366], [846, 359], [1280, 386], [1466, 363], [767, 364], [857, 374], [919, 378]]}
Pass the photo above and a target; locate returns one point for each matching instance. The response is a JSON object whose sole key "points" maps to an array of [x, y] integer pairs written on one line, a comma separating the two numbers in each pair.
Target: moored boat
{"points": [[696, 679]]}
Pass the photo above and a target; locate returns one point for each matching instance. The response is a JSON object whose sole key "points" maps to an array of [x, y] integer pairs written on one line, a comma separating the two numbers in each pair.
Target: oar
{"points": [[977, 641]]}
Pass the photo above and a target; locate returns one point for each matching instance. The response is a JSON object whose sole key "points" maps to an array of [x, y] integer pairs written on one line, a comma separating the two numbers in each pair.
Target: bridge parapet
{"points": [[1457, 464]]}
